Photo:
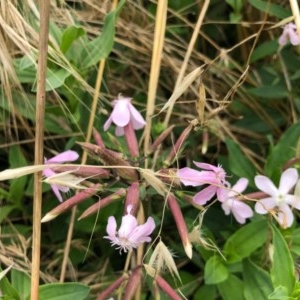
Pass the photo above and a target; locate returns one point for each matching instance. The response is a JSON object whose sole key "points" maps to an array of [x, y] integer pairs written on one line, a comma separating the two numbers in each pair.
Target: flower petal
{"points": [[121, 114], [136, 118], [283, 39], [65, 156], [263, 206], [129, 223], [288, 180], [206, 166], [239, 187], [222, 194], [285, 216], [119, 131], [189, 176], [205, 195], [55, 190], [111, 227], [141, 233], [107, 123], [266, 185], [294, 38], [293, 201]]}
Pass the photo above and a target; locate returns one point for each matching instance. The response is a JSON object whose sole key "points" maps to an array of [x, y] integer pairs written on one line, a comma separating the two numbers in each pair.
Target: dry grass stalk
{"points": [[39, 147], [158, 42]]}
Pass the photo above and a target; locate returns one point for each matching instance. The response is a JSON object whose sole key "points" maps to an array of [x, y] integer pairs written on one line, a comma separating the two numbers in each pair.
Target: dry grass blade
{"points": [[182, 87], [160, 259], [158, 42]]}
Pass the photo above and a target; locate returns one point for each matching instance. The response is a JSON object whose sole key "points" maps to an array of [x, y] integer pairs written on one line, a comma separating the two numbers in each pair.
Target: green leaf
{"points": [[8, 290], [257, 282], [215, 270], [63, 291], [282, 271], [239, 164], [207, 292], [272, 9], [231, 289], [236, 5], [55, 79], [265, 49], [280, 293], [245, 241], [269, 91], [282, 151], [21, 282], [100, 47], [71, 34], [17, 186]]}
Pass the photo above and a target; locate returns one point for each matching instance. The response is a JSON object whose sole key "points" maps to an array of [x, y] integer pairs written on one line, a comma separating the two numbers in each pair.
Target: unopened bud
{"points": [[68, 204], [133, 198], [120, 193], [176, 148], [181, 225], [112, 158], [160, 139]]}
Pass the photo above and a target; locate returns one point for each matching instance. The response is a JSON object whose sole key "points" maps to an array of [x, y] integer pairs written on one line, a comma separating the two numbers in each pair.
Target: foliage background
{"points": [[249, 125]]}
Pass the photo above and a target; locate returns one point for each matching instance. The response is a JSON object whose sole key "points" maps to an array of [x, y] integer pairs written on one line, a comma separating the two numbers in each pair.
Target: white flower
{"points": [[130, 235], [123, 113], [280, 200], [231, 204]]}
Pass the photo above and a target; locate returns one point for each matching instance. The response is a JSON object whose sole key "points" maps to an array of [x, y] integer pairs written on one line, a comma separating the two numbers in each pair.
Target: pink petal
{"points": [[193, 177], [241, 211], [288, 180], [285, 216], [119, 131], [128, 225], [294, 38], [205, 195], [111, 227], [240, 186], [121, 114], [55, 190], [206, 166], [107, 123], [266, 185], [188, 176], [141, 233], [222, 194], [66, 156], [136, 118], [263, 206], [48, 172], [283, 39]]}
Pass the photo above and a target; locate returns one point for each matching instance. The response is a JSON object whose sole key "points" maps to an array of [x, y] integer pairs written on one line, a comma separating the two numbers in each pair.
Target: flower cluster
{"points": [[212, 179], [215, 177], [279, 203]]}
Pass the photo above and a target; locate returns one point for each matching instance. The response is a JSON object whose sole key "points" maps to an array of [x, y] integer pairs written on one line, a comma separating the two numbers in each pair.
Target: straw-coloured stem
{"points": [[158, 42], [39, 140]]}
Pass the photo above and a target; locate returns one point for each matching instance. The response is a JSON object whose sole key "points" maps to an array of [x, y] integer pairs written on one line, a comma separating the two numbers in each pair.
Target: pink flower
{"points": [[280, 201], [289, 34], [123, 113], [214, 176], [130, 235], [66, 156], [231, 204]]}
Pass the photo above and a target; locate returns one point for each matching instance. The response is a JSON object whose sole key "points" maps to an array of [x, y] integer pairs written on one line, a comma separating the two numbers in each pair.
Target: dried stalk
{"points": [[39, 140]]}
